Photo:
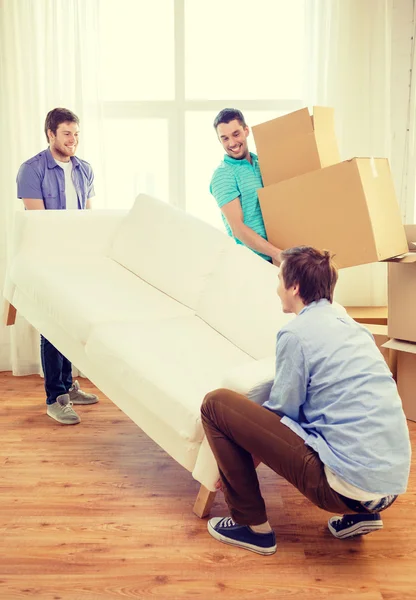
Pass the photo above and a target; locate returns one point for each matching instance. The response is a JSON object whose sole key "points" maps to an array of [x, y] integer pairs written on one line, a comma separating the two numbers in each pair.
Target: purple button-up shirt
{"points": [[41, 177]]}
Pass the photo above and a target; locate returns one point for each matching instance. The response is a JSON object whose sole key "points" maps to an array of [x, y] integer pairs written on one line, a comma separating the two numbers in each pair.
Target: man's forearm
{"points": [[254, 241]]}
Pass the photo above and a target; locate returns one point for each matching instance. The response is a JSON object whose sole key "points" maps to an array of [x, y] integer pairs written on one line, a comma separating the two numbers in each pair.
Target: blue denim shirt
{"points": [[334, 389], [42, 178]]}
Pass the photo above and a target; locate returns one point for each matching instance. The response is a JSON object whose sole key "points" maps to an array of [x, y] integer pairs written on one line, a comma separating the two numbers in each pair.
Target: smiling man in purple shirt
{"points": [[55, 179]]}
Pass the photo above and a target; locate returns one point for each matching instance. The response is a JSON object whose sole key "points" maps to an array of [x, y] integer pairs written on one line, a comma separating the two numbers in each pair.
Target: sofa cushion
{"points": [[79, 294], [240, 301], [168, 248], [167, 365]]}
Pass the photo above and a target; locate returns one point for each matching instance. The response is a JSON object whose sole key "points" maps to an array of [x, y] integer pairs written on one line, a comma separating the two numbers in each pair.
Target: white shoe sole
{"points": [[64, 422], [231, 542], [83, 403], [357, 529]]}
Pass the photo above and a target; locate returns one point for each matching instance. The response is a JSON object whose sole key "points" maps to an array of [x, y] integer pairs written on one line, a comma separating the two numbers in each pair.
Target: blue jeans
{"points": [[57, 371]]}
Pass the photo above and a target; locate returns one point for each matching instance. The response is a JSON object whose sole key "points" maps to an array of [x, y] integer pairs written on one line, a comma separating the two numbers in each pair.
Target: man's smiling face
{"points": [[233, 137]]}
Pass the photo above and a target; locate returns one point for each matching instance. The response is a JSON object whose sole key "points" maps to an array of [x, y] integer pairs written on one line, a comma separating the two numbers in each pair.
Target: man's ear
{"points": [[50, 134], [247, 130], [296, 289]]}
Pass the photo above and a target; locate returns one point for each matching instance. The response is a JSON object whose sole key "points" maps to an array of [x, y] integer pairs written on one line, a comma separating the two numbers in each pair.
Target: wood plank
{"points": [[204, 502], [97, 511], [376, 315]]}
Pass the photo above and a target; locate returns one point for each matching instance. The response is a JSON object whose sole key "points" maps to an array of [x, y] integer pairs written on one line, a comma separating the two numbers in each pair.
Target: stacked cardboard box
{"points": [[312, 198], [402, 321], [349, 208]]}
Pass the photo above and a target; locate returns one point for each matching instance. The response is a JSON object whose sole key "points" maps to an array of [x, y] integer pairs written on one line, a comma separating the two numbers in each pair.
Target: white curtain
{"points": [[405, 170], [49, 53], [349, 57]]}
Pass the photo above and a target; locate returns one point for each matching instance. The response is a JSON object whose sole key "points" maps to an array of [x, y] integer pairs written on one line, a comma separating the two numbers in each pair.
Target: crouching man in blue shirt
{"points": [[333, 425]]}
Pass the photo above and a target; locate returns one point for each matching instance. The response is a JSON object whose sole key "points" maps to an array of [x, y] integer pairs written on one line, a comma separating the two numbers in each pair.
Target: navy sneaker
{"points": [[226, 530], [353, 525]]}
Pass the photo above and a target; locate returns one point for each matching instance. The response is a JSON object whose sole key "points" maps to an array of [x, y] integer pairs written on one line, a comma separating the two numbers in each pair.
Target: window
{"points": [[136, 160], [137, 50], [168, 67], [244, 50]]}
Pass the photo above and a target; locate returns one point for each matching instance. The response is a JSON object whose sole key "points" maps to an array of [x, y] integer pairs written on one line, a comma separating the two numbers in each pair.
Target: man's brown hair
{"points": [[313, 271]]}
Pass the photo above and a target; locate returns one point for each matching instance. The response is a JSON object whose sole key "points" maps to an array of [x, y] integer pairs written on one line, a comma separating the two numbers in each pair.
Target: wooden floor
{"points": [[97, 511]]}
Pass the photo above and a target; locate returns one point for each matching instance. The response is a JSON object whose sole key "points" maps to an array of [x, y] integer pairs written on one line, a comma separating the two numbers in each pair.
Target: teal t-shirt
{"points": [[240, 179]]}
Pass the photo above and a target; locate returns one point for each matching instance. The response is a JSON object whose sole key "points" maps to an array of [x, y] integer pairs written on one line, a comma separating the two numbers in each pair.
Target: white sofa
{"points": [[156, 308]]}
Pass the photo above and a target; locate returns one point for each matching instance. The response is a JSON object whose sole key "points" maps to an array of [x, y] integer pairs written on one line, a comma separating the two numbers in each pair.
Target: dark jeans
{"points": [[57, 371], [238, 429]]}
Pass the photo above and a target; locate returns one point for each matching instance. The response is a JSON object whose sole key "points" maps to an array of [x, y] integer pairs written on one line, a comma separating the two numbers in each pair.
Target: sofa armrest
{"points": [[253, 380], [70, 232]]}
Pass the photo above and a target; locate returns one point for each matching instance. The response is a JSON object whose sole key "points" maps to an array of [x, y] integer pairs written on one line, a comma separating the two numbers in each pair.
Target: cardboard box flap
{"points": [[326, 141], [400, 346], [323, 118], [410, 231], [409, 257], [291, 125]]}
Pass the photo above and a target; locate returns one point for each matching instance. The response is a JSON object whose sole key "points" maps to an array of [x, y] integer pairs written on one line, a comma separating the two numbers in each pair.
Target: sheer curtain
{"points": [[349, 54], [48, 57]]}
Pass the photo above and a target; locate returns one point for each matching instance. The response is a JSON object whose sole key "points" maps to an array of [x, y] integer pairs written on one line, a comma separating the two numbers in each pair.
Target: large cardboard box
{"points": [[402, 291], [296, 143], [406, 375], [349, 209]]}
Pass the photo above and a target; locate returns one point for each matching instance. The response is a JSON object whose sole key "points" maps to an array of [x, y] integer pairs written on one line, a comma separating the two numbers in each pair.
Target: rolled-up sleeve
{"points": [[290, 385], [91, 191], [224, 186], [28, 183]]}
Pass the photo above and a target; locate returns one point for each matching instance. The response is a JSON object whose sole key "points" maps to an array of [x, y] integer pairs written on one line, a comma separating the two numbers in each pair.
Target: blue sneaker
{"points": [[353, 525], [226, 530]]}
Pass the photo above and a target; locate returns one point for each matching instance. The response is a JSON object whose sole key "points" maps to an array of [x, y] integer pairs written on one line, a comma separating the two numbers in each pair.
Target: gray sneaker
{"points": [[62, 411], [77, 396]]}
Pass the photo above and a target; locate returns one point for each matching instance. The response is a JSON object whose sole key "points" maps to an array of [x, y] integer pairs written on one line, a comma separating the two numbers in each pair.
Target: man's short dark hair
{"points": [[57, 116], [313, 271], [226, 115]]}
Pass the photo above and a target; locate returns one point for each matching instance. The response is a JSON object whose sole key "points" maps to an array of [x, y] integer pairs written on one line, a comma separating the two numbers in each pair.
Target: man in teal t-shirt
{"points": [[235, 183]]}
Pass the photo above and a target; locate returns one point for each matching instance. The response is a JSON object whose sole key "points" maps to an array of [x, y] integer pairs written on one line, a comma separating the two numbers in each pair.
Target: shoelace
{"points": [[226, 522], [340, 523], [67, 407]]}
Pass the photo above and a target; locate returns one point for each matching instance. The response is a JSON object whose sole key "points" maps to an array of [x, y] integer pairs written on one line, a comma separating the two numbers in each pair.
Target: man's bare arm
{"points": [[234, 215], [33, 204]]}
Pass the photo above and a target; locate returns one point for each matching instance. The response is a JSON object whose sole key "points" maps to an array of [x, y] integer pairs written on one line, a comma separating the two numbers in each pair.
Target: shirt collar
{"points": [[315, 304], [235, 161], [52, 163]]}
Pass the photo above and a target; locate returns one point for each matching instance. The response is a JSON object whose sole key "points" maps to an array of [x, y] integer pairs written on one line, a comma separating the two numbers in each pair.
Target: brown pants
{"points": [[238, 429]]}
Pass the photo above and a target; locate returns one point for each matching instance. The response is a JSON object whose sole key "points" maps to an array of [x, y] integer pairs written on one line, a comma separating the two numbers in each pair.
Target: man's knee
{"points": [[211, 400]]}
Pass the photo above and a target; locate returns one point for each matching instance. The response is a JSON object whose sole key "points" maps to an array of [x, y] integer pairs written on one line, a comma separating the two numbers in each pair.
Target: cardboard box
{"points": [[402, 291], [349, 209], [381, 337], [406, 375], [296, 143]]}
